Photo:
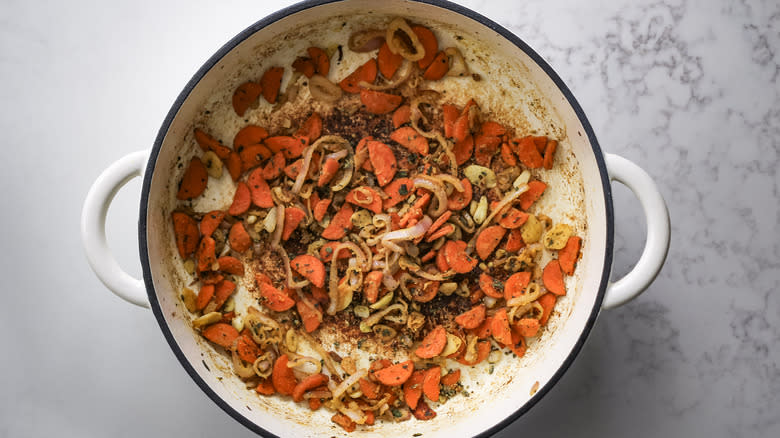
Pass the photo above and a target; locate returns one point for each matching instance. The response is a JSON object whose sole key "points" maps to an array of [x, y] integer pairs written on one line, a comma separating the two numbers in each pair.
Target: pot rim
{"points": [[307, 4]]}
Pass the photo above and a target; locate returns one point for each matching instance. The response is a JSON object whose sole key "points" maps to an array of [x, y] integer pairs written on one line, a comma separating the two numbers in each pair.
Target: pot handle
{"points": [[658, 231], [93, 228]]}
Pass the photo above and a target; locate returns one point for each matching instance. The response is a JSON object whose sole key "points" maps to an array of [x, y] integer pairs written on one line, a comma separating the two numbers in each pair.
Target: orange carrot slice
{"points": [[518, 345], [245, 96], [409, 138], [247, 349], [438, 67], [205, 294], [507, 156], [294, 168], [238, 237], [242, 200], [377, 102], [311, 268], [430, 385], [483, 350], [273, 168], [547, 301], [222, 291], [491, 128], [345, 422], [271, 81], [326, 252], [412, 389], [282, 376], [552, 276], [516, 284], [485, 147], [309, 316], [259, 190], [364, 73], [311, 128], [451, 378], [395, 375], [365, 197], [460, 129], [433, 344], [186, 231], [383, 161], [535, 190], [429, 43], [527, 327], [211, 221], [304, 66], [307, 384], [194, 181], [231, 265], [209, 143], [253, 155], [292, 218], [458, 200], [329, 169], [372, 283], [488, 240], [369, 389], [488, 285], [275, 299], [234, 165], [423, 412], [402, 116], [249, 135], [221, 334], [388, 61], [206, 254], [398, 190], [513, 218], [528, 153], [549, 154], [501, 331], [515, 240], [361, 146], [441, 260], [568, 256], [265, 387], [321, 209], [340, 224], [450, 113], [457, 259], [320, 59], [471, 318], [291, 147], [463, 150]]}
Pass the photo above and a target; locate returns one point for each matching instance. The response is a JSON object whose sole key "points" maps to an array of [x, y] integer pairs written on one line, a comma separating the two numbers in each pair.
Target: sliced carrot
{"points": [[458, 200], [194, 181], [311, 128], [238, 237], [547, 301], [261, 278], [433, 344], [370, 418], [210, 222], [309, 316], [282, 376], [430, 385], [307, 384], [501, 331], [527, 327], [311, 268], [507, 155], [484, 330], [463, 150], [513, 218], [441, 260], [247, 349], [488, 240], [206, 141], [273, 168], [205, 294], [253, 156], [234, 165], [402, 116], [423, 412], [371, 286], [549, 154], [568, 256], [395, 375], [494, 129], [412, 389], [457, 259], [345, 422], [429, 43], [540, 142], [483, 350], [291, 147], [320, 59], [231, 265], [471, 318], [535, 190], [426, 291], [461, 349], [271, 81], [489, 286], [518, 345], [365, 197], [206, 254], [383, 161], [245, 96], [221, 334], [276, 300], [360, 148], [438, 68], [439, 222], [516, 284], [321, 208], [460, 129], [409, 138], [186, 231], [340, 224], [450, 114], [326, 252], [211, 277], [485, 147], [259, 190], [369, 389], [265, 387], [515, 240], [242, 200], [364, 73], [388, 61], [377, 102], [292, 218], [315, 403], [451, 378], [294, 168], [249, 135], [528, 153], [304, 66], [222, 291], [398, 190], [552, 276]]}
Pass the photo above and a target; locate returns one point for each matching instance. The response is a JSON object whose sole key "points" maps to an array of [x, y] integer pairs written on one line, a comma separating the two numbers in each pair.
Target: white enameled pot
{"points": [[513, 79]]}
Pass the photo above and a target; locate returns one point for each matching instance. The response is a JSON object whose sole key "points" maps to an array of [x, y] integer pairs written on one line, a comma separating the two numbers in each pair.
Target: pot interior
{"points": [[513, 88]]}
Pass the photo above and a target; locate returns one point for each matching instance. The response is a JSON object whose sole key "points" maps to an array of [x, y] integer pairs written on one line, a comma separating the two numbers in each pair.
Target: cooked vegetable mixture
{"points": [[404, 216]]}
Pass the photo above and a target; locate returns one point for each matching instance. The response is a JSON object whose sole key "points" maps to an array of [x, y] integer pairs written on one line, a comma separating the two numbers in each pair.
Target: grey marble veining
{"points": [[688, 89]]}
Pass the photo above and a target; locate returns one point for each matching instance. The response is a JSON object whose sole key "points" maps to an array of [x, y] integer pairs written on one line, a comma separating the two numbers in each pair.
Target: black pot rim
{"points": [[276, 16]]}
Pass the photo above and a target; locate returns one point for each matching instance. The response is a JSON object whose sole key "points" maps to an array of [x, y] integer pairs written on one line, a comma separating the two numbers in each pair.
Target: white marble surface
{"points": [[686, 88]]}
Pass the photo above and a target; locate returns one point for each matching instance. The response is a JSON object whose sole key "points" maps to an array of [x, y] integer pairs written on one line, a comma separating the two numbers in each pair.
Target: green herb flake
{"points": [[328, 250], [396, 413], [403, 191], [498, 284], [491, 369], [417, 434]]}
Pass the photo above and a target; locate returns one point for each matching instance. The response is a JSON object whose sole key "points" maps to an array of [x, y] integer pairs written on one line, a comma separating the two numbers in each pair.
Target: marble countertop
{"points": [[688, 89]]}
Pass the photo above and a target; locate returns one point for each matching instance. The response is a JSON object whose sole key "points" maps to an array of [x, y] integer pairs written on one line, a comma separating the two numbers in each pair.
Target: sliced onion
{"points": [[301, 177], [307, 302], [437, 188], [286, 260], [415, 114], [366, 40], [506, 200], [243, 371], [410, 233], [333, 290], [390, 283], [453, 181], [376, 317], [533, 291], [458, 65], [337, 155], [446, 275], [367, 264], [277, 236], [318, 393], [402, 75], [301, 361], [341, 388], [397, 46], [354, 414], [324, 90], [317, 347]]}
